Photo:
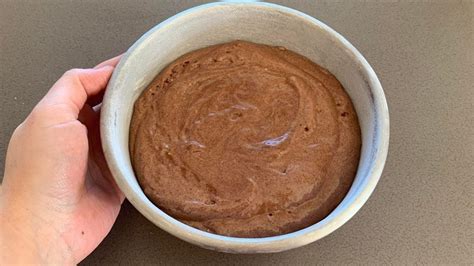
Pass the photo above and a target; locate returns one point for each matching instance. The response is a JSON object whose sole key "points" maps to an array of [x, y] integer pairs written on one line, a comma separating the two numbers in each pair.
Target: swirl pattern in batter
{"points": [[245, 140]]}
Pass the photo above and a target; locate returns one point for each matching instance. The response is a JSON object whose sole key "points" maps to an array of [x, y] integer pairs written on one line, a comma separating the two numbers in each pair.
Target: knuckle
{"points": [[38, 114], [19, 128], [34, 115]]}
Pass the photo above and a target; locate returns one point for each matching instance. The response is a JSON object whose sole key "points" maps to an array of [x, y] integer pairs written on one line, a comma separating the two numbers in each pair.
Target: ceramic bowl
{"points": [[261, 23]]}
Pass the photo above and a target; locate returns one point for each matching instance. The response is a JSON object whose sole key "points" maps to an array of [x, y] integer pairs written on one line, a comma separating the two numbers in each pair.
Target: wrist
{"points": [[27, 239]]}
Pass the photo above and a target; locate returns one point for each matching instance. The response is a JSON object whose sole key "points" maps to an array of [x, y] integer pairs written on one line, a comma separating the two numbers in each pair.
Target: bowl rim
{"points": [[265, 244]]}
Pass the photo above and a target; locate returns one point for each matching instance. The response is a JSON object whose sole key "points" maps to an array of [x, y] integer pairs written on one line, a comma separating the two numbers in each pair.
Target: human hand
{"points": [[58, 199]]}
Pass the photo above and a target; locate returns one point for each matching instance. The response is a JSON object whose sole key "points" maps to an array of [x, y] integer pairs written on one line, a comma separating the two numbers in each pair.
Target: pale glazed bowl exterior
{"points": [[261, 23]]}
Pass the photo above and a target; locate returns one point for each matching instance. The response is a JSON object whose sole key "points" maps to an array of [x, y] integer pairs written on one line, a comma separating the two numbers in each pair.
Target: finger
{"points": [[99, 170], [111, 62], [72, 90]]}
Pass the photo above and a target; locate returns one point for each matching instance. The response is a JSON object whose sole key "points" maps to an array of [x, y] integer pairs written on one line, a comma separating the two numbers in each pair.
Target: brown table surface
{"points": [[422, 210]]}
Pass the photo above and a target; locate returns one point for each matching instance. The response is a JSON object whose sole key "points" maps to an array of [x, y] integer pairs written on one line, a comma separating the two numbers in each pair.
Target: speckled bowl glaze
{"points": [[261, 23]]}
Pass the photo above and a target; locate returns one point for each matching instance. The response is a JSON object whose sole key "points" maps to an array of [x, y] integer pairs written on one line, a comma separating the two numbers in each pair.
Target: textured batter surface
{"points": [[247, 140]]}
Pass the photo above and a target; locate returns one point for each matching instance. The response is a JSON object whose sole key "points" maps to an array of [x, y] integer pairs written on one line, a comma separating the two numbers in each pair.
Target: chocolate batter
{"points": [[245, 140]]}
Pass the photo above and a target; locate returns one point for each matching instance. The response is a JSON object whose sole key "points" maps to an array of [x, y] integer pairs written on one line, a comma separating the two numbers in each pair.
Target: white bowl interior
{"points": [[261, 23]]}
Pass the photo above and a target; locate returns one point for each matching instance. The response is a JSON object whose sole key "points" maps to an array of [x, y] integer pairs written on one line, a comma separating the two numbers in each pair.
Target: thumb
{"points": [[69, 94]]}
